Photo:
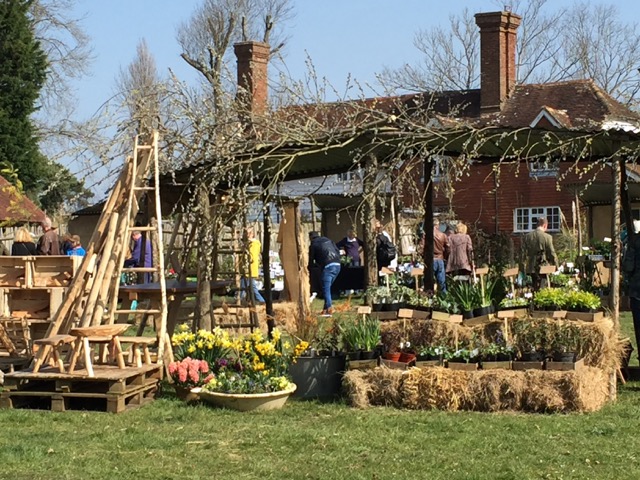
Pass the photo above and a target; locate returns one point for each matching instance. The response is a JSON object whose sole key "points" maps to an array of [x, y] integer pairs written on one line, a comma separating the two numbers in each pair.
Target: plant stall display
{"points": [[582, 301]]}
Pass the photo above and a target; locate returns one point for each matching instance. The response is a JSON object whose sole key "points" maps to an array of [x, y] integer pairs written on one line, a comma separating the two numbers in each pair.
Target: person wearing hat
{"points": [[324, 254], [49, 244]]}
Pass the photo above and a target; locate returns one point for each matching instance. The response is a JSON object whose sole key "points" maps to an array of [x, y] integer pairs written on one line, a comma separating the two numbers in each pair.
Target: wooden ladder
{"points": [[145, 160]]}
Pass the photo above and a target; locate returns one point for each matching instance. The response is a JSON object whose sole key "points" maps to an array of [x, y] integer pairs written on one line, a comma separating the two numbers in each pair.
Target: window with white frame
{"points": [[543, 168], [526, 219]]}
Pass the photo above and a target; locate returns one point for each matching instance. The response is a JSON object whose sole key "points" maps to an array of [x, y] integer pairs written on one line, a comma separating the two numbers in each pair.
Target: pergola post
{"points": [[266, 265], [428, 225], [369, 190]]}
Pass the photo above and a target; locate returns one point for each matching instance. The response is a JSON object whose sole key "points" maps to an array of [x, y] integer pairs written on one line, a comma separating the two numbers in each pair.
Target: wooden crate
{"points": [[466, 367], [54, 271], [506, 365], [585, 317], [394, 365], [517, 365], [565, 366], [34, 303], [559, 314], [513, 313], [362, 364], [428, 363], [14, 272], [484, 319]]}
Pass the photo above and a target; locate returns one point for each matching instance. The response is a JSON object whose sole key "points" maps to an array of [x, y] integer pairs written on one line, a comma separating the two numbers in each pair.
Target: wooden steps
{"points": [[112, 389]]}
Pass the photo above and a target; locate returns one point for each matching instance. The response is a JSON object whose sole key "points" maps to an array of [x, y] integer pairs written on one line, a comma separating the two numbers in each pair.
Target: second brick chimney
{"points": [[497, 57], [253, 58]]}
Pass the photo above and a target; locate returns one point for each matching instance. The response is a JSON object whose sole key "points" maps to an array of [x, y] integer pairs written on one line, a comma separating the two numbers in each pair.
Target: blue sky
{"points": [[342, 37]]}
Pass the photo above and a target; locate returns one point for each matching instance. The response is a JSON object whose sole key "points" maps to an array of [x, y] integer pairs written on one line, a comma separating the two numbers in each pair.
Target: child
{"points": [[76, 249]]}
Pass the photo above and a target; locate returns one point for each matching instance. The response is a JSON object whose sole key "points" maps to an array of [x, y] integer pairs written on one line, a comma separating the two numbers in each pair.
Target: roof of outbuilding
{"points": [[16, 206]]}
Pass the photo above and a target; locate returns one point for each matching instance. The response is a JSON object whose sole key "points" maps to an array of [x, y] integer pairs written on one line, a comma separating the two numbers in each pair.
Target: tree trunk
{"points": [[428, 225], [203, 297], [369, 238]]}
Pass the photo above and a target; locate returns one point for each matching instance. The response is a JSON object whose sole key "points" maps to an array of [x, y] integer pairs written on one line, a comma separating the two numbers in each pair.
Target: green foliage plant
{"points": [[548, 298]]}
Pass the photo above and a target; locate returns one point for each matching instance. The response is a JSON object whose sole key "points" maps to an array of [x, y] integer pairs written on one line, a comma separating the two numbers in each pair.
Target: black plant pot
{"points": [[568, 357], [378, 307], [467, 314], [532, 357], [353, 355], [503, 357], [367, 355], [318, 377], [482, 311]]}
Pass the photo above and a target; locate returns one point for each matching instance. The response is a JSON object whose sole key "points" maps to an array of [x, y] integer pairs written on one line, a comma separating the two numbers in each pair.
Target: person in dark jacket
{"points": [[23, 244], [324, 254], [49, 243], [351, 246]]}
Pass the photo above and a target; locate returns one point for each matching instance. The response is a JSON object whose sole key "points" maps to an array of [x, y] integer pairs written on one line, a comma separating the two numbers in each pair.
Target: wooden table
{"points": [[101, 335], [176, 292]]}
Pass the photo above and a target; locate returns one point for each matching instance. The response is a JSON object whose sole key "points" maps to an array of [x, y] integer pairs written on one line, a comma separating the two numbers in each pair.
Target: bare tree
{"points": [[584, 41], [141, 87]]}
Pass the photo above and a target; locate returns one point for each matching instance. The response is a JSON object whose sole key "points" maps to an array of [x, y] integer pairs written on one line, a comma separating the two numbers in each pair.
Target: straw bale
{"points": [[545, 391], [357, 386], [384, 386], [434, 388], [494, 390]]}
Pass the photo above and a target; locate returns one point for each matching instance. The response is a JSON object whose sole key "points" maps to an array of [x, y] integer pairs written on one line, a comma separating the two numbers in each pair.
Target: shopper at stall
{"points": [[23, 244], [254, 248], [323, 253], [351, 246], [539, 251], [460, 261]]}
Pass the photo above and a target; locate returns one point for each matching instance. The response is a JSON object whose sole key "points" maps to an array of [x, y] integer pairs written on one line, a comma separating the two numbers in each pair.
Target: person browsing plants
{"points": [[539, 251], [324, 254]]}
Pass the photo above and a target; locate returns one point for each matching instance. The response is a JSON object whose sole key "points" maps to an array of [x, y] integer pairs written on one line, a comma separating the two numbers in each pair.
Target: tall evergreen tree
{"points": [[23, 67]]}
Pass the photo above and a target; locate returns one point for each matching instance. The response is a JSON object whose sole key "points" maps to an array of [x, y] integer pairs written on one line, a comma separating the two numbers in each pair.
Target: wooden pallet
{"points": [[112, 389]]}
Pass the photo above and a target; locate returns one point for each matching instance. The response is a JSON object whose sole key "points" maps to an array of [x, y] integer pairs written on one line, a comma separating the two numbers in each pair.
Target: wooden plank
{"points": [[482, 320], [446, 317], [394, 365], [428, 363], [558, 314], [511, 272], [547, 269], [466, 367], [362, 364], [365, 310], [515, 313], [482, 271], [506, 365], [585, 317], [565, 366], [518, 365]]}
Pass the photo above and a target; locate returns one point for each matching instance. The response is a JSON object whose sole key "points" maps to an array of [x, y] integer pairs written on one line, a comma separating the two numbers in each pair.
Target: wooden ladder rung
{"points": [[144, 147], [140, 310], [144, 229], [141, 269], [144, 188]]}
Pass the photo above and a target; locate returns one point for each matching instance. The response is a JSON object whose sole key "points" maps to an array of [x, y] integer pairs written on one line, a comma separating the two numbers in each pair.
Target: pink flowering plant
{"points": [[190, 373]]}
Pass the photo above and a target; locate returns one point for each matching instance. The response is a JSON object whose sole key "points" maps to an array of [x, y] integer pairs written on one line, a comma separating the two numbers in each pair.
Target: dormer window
{"points": [[544, 168]]}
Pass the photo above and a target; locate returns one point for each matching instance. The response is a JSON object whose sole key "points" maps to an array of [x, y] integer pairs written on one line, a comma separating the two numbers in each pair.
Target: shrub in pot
{"points": [[583, 301], [550, 299]]}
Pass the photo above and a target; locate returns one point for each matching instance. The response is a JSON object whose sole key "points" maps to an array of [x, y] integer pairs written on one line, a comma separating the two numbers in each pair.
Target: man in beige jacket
{"points": [[539, 251]]}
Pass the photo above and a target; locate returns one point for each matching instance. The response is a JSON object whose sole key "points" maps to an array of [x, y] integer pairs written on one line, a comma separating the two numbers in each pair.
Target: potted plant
{"points": [[369, 328], [379, 297], [432, 353], [565, 341], [550, 299], [485, 297], [512, 302], [582, 301], [187, 374], [531, 339], [466, 295], [351, 338]]}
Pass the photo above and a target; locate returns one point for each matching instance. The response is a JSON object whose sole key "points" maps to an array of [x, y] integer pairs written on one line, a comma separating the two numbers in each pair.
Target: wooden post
{"points": [[428, 225], [203, 296], [615, 245], [266, 247], [369, 190]]}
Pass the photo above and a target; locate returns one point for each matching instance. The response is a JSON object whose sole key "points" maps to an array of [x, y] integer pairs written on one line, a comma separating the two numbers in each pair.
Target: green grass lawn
{"points": [[168, 439], [308, 440]]}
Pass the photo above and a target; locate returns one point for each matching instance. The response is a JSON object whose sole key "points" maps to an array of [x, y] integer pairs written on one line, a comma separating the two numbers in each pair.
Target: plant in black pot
{"points": [[510, 302], [550, 299], [531, 339], [565, 341], [466, 295], [485, 297], [432, 353], [351, 335], [369, 328], [379, 297], [582, 301]]}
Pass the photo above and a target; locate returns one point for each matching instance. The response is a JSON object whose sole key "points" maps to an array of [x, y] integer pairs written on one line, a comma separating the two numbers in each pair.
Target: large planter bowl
{"points": [[246, 402]]}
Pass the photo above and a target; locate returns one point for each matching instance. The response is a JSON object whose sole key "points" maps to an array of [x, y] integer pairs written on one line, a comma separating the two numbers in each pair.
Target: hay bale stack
{"points": [[435, 388], [584, 390]]}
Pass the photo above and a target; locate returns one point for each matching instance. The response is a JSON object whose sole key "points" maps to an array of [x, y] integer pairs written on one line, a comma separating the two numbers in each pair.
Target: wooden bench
{"points": [[102, 335], [54, 343], [137, 343]]}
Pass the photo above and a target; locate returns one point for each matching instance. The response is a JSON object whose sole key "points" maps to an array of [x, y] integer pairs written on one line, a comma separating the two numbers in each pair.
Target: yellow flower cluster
{"points": [[300, 348]]}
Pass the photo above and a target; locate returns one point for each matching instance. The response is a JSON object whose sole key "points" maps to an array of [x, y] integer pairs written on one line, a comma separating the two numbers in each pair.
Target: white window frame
{"points": [[349, 176], [525, 219], [546, 168]]}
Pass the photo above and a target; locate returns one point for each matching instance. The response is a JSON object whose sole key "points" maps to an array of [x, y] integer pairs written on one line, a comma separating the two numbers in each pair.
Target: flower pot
{"points": [[367, 354], [394, 357], [378, 307], [467, 314], [247, 402], [353, 355], [318, 377], [186, 394], [482, 311], [407, 357]]}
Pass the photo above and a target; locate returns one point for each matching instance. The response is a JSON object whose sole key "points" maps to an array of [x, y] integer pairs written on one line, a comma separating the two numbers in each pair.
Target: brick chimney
{"points": [[253, 58], [497, 57]]}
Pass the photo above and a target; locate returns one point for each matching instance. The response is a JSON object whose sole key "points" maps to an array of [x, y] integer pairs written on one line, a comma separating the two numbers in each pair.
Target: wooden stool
{"points": [[100, 335], [54, 343], [135, 357]]}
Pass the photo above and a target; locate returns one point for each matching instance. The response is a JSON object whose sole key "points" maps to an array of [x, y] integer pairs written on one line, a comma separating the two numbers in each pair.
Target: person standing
{"points": [[23, 244], [49, 244], [539, 251], [460, 261], [136, 260], [254, 248], [351, 246], [386, 253], [324, 254], [440, 255], [76, 247]]}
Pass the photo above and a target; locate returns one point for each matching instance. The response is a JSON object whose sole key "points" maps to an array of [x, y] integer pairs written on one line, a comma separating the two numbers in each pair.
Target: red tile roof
{"points": [[15, 207]]}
